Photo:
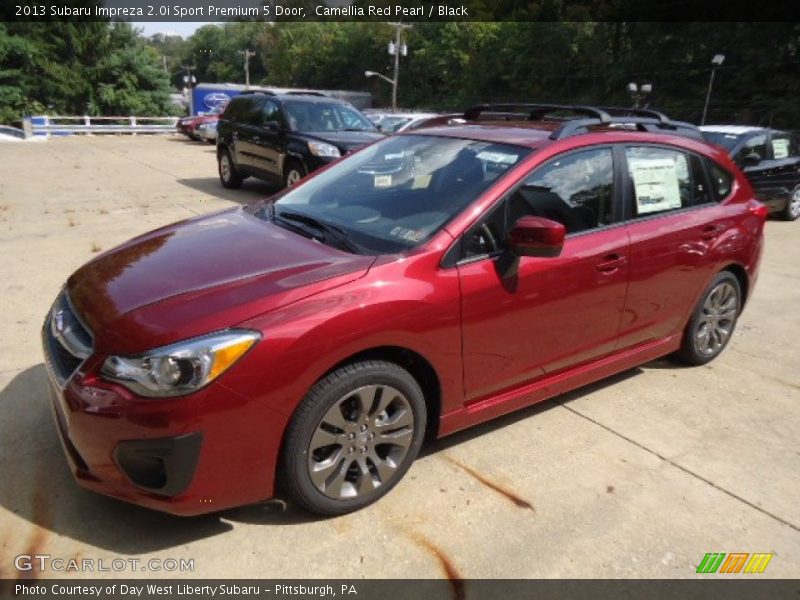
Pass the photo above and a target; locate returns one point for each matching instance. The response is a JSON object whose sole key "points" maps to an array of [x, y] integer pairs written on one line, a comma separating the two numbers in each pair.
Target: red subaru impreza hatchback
{"points": [[307, 344]]}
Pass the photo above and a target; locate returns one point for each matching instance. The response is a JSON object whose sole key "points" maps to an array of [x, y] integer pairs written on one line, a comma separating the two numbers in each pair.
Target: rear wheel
{"points": [[792, 210], [713, 321], [353, 437], [228, 174]]}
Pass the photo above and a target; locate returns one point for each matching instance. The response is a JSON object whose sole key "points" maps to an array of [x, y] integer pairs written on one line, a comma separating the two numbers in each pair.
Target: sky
{"points": [[182, 28]]}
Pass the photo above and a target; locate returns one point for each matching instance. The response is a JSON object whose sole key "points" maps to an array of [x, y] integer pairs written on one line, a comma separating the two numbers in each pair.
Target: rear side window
{"points": [[784, 146], [756, 147], [235, 108], [721, 181], [663, 180]]}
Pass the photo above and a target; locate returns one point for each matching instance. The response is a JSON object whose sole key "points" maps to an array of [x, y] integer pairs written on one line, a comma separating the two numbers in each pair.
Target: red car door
{"points": [[555, 312], [673, 222]]}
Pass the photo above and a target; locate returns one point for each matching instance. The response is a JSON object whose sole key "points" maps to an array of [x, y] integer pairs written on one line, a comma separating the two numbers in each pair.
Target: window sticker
{"points": [[780, 148], [655, 182], [411, 235], [383, 181], [421, 182], [498, 157]]}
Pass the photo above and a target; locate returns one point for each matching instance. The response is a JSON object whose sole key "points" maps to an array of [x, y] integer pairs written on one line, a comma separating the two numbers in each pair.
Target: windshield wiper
{"points": [[330, 233]]}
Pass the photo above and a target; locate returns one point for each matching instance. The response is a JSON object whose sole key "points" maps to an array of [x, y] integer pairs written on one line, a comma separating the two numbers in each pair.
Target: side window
{"points": [[755, 145], [234, 110], [250, 113], [721, 181], [576, 190], [701, 194], [784, 146], [488, 236], [662, 180], [270, 113]]}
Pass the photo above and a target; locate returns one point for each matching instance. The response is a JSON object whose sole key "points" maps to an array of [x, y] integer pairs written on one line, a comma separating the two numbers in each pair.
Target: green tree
{"points": [[79, 68]]}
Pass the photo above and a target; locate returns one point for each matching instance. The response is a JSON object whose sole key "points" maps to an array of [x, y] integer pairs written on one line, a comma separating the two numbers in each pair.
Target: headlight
{"points": [[322, 149], [180, 368]]}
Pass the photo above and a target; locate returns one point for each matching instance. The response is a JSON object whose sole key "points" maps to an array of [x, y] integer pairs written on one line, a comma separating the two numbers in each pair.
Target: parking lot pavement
{"points": [[638, 476]]}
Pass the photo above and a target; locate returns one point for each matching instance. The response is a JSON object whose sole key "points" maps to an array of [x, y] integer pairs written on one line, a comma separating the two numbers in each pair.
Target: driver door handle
{"points": [[611, 262]]}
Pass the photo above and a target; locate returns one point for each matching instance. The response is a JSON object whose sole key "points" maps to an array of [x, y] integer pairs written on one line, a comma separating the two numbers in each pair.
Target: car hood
{"points": [[201, 275], [344, 140]]}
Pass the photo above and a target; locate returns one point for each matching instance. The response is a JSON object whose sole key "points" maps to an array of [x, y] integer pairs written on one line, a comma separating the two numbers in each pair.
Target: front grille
{"points": [[67, 341]]}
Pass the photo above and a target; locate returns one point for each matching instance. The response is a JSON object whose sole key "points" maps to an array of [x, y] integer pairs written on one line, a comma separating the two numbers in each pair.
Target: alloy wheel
{"points": [[293, 177], [225, 167], [718, 317], [361, 442], [794, 204]]}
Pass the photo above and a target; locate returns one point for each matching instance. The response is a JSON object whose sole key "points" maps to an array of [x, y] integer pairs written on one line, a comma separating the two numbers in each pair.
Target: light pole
{"points": [[396, 48], [715, 62], [639, 93], [389, 80], [247, 54]]}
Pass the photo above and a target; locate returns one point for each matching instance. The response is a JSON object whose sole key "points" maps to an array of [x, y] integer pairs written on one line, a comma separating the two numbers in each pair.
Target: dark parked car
{"points": [[306, 344], [281, 138], [769, 158]]}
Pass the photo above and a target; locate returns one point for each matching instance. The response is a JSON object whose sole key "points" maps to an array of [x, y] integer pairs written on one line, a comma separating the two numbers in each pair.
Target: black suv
{"points": [[769, 158], [282, 137]]}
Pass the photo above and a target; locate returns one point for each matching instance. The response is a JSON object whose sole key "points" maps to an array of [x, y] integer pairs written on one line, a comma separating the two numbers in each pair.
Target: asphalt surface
{"points": [[638, 476]]}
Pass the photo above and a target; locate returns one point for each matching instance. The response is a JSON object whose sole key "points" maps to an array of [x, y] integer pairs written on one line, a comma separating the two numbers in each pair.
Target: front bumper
{"points": [[195, 454]]}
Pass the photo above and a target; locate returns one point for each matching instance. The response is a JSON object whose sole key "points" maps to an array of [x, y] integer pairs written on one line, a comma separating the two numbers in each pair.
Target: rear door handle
{"points": [[611, 262]]}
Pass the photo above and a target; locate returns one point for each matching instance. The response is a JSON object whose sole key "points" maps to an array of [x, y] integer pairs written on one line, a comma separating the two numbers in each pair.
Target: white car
{"points": [[13, 134], [390, 122]]}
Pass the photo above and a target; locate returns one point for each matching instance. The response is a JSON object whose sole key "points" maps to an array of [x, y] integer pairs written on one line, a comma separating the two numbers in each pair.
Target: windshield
{"points": [[325, 116], [396, 193], [726, 140]]}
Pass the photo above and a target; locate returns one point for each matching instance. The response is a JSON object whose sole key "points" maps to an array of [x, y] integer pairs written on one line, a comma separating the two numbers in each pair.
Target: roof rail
{"points": [[622, 111], [532, 112], [301, 93], [639, 119], [265, 92]]}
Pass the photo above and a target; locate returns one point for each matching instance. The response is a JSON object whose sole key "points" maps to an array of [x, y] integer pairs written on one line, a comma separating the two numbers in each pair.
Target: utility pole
{"points": [[247, 54], [190, 82], [396, 48]]}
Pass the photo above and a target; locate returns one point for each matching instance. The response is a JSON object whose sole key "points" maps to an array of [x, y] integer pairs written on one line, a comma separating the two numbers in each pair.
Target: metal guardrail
{"points": [[60, 125]]}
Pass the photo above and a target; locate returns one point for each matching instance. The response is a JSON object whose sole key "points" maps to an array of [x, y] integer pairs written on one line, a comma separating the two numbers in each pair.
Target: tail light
{"points": [[759, 209]]}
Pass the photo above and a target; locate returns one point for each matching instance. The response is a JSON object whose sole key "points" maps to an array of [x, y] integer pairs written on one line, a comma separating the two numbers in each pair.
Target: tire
{"points": [[229, 175], [791, 211], [713, 320], [352, 438], [293, 172]]}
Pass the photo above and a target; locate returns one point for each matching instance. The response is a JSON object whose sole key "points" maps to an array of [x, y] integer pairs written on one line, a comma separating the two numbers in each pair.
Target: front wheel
{"points": [[293, 173], [353, 437], [713, 321], [792, 210]]}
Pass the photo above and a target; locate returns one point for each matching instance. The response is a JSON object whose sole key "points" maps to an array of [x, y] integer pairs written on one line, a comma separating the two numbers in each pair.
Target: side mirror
{"points": [[272, 126], [752, 159], [536, 236]]}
